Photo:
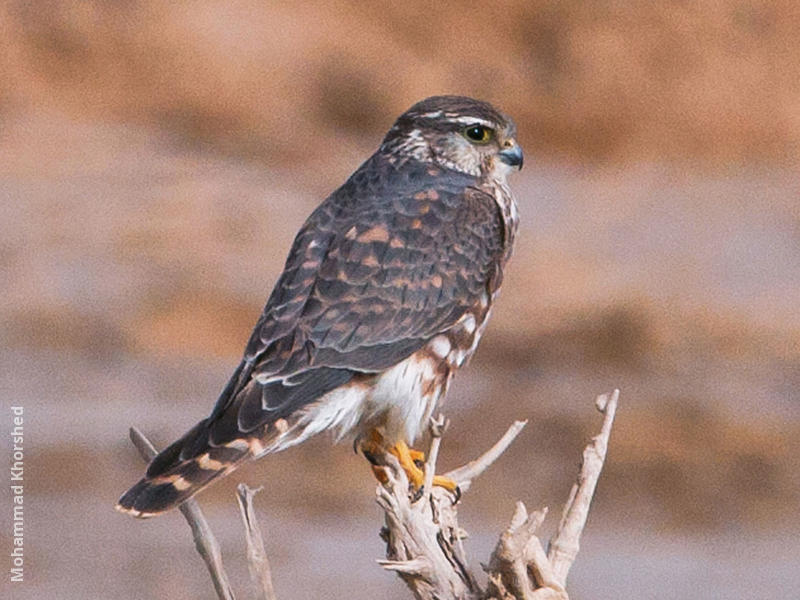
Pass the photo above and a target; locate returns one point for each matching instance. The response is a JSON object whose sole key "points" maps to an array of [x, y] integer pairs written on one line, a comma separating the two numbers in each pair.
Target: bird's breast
{"points": [[404, 396], [503, 196]]}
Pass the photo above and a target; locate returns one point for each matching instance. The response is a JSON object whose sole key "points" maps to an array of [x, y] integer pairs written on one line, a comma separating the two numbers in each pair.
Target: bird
{"points": [[385, 294]]}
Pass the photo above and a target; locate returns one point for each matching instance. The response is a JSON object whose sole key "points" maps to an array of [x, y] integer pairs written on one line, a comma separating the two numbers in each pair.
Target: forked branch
{"points": [[204, 540], [424, 543]]}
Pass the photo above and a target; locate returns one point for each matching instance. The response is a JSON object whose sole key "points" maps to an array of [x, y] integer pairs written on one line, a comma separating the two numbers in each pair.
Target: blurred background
{"points": [[156, 159]]}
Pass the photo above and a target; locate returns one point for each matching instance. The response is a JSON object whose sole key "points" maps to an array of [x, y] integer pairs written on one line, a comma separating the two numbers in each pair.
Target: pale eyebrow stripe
{"points": [[471, 121]]}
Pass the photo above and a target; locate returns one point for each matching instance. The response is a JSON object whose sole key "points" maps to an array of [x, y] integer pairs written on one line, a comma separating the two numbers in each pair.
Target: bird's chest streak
{"points": [[406, 395], [499, 190]]}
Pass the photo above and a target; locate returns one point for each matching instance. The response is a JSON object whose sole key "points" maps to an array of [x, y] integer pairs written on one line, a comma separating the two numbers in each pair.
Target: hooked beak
{"points": [[512, 156]]}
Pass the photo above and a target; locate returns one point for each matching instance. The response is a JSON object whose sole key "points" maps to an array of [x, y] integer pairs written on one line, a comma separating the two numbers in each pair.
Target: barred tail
{"points": [[180, 471], [259, 418]]}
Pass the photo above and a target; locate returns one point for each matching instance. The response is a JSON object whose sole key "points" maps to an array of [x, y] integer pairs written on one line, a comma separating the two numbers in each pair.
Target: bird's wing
{"points": [[384, 264]]}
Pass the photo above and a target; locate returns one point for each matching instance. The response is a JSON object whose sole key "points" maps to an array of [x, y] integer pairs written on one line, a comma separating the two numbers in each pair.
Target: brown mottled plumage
{"points": [[385, 293]]}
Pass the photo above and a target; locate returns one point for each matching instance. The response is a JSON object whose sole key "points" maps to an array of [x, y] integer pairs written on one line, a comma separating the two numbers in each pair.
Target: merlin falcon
{"points": [[385, 294]]}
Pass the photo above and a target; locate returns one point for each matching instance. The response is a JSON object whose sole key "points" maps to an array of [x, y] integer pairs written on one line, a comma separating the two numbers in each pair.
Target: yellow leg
{"points": [[416, 455], [408, 458], [416, 476], [449, 484]]}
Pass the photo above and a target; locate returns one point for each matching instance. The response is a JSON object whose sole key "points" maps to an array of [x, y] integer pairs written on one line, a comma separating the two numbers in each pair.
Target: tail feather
{"points": [[180, 471], [260, 418]]}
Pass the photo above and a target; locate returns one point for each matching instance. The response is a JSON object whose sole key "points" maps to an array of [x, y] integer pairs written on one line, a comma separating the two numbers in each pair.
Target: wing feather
{"points": [[389, 260]]}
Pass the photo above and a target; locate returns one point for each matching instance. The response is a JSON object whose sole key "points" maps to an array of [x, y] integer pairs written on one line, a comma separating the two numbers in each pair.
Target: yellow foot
{"points": [[411, 460]]}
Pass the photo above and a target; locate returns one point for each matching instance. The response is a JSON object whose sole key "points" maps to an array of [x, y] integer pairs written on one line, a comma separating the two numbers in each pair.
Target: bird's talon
{"points": [[418, 456], [416, 494]]}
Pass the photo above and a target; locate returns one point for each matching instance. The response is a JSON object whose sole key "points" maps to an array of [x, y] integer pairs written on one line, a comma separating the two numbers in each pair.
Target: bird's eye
{"points": [[478, 134]]}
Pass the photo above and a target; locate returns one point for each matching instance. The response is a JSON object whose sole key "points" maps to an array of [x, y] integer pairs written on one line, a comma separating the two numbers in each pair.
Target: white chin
{"points": [[501, 170]]}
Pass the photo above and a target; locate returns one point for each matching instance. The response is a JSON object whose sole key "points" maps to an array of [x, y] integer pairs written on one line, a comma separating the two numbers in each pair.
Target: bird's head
{"points": [[458, 133]]}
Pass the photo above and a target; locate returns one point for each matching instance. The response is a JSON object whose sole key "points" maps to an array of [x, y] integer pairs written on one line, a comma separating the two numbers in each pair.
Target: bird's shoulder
{"points": [[398, 250], [396, 255]]}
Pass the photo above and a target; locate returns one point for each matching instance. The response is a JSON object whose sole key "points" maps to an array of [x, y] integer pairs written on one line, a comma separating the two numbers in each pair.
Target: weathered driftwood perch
{"points": [[204, 539], [424, 543], [424, 540]]}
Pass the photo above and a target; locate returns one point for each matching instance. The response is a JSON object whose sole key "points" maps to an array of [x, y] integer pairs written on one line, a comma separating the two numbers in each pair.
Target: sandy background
{"points": [[156, 160]]}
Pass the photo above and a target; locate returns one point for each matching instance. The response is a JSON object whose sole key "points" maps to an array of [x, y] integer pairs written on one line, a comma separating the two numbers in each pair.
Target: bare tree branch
{"points": [[566, 543], [466, 473], [437, 427], [424, 540], [204, 540], [424, 543], [257, 560]]}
